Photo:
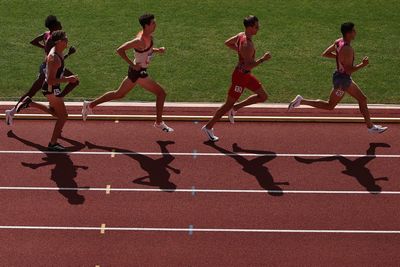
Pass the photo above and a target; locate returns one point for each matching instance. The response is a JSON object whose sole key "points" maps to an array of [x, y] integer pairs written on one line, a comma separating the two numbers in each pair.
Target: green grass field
{"points": [[197, 65]]}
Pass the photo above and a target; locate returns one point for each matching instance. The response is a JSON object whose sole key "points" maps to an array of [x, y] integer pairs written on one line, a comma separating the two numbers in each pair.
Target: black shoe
{"points": [[24, 103], [56, 147]]}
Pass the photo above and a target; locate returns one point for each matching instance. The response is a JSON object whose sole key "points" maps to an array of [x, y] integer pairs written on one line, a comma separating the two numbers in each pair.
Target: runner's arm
{"points": [[38, 41], [232, 42], [247, 51], [160, 50], [135, 43], [346, 57], [71, 51], [53, 63], [330, 52]]}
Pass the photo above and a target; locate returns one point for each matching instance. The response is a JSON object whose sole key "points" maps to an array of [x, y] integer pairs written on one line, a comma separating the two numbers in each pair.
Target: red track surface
{"points": [[202, 210]]}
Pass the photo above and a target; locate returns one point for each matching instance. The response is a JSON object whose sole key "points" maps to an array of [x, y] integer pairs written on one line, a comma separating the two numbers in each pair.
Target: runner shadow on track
{"points": [[64, 171], [356, 168], [254, 166], [157, 169]]}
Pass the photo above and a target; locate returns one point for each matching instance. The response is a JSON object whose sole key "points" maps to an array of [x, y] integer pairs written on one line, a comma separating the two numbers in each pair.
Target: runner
{"points": [[42, 41], [54, 76], [342, 51], [137, 72], [242, 78]]}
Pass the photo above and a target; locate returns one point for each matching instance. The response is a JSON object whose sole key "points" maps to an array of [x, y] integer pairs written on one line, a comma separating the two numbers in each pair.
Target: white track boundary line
{"points": [[190, 190], [207, 105], [197, 154], [192, 229]]}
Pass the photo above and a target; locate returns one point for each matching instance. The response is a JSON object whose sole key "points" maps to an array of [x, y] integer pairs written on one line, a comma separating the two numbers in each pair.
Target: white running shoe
{"points": [[377, 129], [210, 134], [9, 117], [296, 102], [86, 110], [163, 127], [231, 115]]}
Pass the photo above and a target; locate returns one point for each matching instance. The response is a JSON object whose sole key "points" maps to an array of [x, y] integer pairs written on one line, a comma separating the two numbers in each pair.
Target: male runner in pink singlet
{"points": [[342, 51]]}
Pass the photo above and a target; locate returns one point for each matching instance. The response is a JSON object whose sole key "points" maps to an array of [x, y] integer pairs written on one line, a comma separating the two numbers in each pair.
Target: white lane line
{"points": [[191, 229], [197, 154], [194, 190]]}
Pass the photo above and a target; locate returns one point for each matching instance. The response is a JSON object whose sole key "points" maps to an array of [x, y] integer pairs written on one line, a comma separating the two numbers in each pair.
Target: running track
{"points": [[177, 223]]}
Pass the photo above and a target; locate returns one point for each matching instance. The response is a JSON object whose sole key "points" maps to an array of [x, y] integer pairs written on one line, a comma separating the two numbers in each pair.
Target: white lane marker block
{"points": [[102, 228], [113, 153], [108, 189], [193, 191], [116, 121], [196, 122], [194, 153], [191, 229]]}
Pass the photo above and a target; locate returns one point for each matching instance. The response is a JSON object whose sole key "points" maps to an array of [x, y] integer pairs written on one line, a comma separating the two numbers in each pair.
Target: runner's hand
{"points": [[71, 50], [365, 61], [161, 50], [266, 56]]}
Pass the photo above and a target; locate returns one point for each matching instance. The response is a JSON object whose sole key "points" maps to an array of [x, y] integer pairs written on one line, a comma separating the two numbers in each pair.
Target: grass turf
{"points": [[197, 66]]}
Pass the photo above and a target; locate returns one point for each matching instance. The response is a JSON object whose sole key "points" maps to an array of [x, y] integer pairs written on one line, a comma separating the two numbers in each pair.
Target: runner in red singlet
{"points": [[242, 78]]}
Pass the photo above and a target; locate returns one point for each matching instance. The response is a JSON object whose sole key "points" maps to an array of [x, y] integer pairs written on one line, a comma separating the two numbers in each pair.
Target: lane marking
{"points": [[322, 119], [199, 154], [204, 230], [116, 121], [102, 228], [191, 229], [113, 153], [108, 189], [194, 153], [194, 190]]}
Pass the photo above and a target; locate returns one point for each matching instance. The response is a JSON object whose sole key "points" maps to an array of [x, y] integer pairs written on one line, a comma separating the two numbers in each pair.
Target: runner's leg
{"points": [[335, 97], [57, 103], [125, 87], [260, 96], [153, 87], [230, 101], [356, 92]]}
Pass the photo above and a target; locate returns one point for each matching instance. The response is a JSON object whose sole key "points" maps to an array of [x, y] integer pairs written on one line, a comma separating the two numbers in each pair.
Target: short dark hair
{"points": [[250, 21], [58, 35], [51, 22], [145, 19], [346, 27]]}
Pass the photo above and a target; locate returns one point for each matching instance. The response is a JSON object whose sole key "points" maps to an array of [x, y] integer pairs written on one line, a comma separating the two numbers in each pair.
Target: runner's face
{"points": [[255, 28], [152, 26], [353, 34], [62, 44]]}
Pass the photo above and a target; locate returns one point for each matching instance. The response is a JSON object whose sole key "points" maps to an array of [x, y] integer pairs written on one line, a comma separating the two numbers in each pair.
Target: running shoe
{"points": [[231, 115], [23, 104], [86, 110], [162, 126], [210, 134], [56, 147], [9, 117], [296, 102], [377, 129]]}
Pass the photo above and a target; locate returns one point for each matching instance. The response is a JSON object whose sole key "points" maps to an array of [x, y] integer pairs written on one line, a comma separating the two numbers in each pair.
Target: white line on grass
{"points": [[192, 229], [197, 190], [197, 154]]}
